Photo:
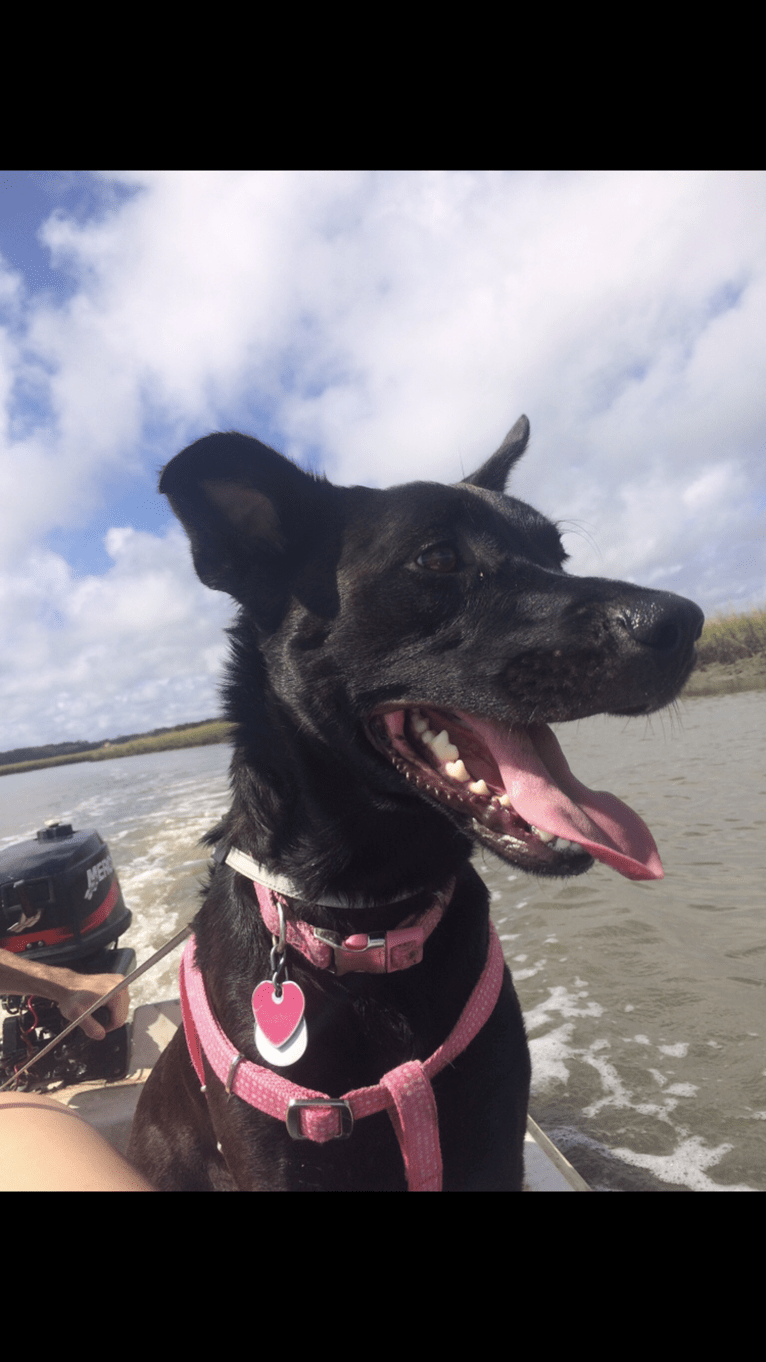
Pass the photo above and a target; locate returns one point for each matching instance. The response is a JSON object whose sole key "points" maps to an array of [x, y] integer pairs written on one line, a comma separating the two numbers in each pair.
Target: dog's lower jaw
{"points": [[570, 858]]}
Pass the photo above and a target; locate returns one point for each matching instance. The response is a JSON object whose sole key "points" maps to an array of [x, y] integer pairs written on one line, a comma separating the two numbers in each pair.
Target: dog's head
{"points": [[435, 631]]}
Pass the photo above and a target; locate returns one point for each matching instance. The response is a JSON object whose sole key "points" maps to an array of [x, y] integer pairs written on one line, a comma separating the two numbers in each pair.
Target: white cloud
{"points": [[99, 655]]}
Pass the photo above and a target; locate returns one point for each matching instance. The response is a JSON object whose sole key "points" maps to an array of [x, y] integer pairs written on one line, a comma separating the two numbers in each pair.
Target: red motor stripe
{"points": [[54, 936]]}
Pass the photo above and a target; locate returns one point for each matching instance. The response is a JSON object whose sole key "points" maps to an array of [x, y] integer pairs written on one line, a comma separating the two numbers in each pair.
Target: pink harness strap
{"points": [[405, 1092], [416, 1123]]}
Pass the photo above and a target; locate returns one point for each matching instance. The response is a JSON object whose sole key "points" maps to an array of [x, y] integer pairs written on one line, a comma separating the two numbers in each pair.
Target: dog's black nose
{"points": [[667, 623]]}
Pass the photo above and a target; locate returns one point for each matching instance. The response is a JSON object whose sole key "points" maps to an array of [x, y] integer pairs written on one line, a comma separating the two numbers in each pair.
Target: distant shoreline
{"points": [[199, 735], [727, 678]]}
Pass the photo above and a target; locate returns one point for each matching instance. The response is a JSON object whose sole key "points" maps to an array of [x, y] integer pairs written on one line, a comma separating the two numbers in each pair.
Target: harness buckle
{"points": [[293, 1121]]}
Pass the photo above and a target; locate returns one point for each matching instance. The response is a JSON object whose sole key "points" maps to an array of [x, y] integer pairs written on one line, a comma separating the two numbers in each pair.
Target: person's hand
{"points": [[87, 989]]}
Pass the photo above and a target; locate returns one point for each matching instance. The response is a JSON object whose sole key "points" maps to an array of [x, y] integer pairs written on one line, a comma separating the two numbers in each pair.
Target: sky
{"points": [[377, 326]]}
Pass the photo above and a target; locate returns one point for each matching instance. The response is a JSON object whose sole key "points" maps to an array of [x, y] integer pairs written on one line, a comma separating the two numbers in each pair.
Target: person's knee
{"points": [[46, 1147]]}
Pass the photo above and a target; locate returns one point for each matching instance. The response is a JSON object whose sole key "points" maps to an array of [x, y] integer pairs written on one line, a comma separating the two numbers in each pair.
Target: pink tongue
{"points": [[544, 792]]}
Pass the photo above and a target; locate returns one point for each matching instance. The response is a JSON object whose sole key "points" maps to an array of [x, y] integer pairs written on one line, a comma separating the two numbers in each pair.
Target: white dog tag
{"points": [[282, 1055]]}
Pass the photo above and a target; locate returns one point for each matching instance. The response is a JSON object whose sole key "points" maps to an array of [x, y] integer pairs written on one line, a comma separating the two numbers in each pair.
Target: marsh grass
{"points": [[731, 655], [730, 638]]}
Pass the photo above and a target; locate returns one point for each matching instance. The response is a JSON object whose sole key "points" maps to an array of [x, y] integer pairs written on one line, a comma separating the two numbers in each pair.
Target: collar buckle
{"points": [[360, 953]]}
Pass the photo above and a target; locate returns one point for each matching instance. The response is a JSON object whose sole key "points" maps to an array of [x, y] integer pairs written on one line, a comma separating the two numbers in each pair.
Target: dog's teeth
{"points": [[479, 787], [505, 802], [441, 745], [555, 843], [456, 771], [440, 742]]}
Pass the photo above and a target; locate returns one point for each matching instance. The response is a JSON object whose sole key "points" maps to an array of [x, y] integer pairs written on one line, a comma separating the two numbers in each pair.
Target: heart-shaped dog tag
{"points": [[278, 1018]]}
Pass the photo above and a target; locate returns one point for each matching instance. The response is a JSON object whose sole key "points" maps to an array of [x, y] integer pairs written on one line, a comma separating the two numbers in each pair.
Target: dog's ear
{"points": [[493, 474], [243, 506]]}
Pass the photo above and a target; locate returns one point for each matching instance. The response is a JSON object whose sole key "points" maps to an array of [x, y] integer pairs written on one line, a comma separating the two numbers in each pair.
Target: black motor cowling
{"points": [[61, 904], [60, 899]]}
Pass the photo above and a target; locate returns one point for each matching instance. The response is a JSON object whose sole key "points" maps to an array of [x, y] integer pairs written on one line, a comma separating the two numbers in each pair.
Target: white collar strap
{"points": [[245, 865]]}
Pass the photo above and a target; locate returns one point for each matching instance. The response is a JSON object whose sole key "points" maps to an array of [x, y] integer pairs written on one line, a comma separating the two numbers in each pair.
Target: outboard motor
{"points": [[61, 904]]}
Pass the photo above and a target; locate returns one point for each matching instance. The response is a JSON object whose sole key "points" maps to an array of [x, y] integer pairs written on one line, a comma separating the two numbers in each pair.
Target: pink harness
{"points": [[405, 1092]]}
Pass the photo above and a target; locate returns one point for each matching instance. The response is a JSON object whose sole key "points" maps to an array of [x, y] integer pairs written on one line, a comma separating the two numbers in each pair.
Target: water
{"points": [[644, 1003]]}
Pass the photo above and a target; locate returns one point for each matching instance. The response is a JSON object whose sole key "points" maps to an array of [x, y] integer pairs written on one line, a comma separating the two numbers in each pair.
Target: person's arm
{"points": [[73, 992]]}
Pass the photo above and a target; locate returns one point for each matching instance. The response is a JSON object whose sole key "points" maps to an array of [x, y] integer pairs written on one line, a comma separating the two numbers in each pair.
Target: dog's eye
{"points": [[439, 558]]}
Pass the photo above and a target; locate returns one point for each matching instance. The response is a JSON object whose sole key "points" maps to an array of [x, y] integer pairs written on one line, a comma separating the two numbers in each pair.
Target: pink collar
{"points": [[405, 1093], [373, 953]]}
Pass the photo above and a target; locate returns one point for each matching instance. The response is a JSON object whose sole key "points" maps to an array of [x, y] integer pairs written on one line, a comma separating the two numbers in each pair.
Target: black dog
{"points": [[396, 660]]}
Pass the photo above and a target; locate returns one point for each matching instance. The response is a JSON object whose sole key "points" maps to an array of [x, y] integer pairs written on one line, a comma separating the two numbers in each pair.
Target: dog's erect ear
{"points": [[493, 474], [242, 505]]}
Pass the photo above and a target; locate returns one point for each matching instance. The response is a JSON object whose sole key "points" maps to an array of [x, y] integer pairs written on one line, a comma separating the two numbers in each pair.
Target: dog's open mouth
{"points": [[516, 790]]}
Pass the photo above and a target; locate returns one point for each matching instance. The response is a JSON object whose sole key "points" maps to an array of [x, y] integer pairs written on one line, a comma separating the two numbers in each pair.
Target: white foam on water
{"points": [[556, 1058]]}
